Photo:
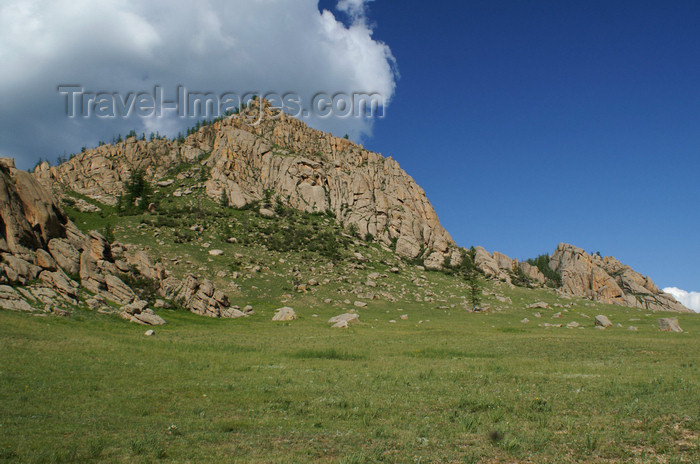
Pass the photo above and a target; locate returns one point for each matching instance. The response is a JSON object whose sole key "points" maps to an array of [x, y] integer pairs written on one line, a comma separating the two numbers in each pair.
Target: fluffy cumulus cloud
{"points": [[690, 300], [238, 46]]}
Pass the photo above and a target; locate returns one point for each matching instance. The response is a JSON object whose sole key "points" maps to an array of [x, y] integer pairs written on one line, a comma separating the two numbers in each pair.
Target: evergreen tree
{"points": [[474, 286]]}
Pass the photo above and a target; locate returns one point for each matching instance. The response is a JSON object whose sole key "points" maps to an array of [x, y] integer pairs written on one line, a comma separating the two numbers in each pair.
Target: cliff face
{"points": [[607, 280], [304, 168]]}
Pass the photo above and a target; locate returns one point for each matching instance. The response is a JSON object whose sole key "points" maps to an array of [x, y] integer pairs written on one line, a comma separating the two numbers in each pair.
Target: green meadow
{"points": [[443, 386]]}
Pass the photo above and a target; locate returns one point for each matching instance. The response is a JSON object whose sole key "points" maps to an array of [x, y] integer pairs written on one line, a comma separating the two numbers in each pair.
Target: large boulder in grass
{"points": [[284, 314], [669, 324], [602, 321], [348, 318]]}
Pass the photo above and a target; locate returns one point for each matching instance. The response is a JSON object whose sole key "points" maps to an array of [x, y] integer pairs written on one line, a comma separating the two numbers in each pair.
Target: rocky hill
{"points": [[305, 169], [258, 212], [601, 279], [607, 280]]}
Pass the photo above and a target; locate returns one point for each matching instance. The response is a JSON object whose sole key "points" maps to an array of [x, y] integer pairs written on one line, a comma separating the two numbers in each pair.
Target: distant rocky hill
{"points": [[607, 280], [306, 169], [602, 279]]}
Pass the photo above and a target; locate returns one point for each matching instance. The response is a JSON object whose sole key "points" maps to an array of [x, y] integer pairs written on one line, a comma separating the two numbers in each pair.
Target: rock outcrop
{"points": [[606, 280], [199, 297], [502, 267], [304, 168], [43, 254]]}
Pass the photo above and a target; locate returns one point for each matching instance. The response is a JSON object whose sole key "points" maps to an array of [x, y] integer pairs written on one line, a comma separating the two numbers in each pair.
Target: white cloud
{"points": [[354, 8], [217, 45], [690, 300]]}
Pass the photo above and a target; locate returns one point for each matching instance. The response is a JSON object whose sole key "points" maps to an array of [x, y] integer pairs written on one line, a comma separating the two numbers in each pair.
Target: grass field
{"points": [[459, 387]]}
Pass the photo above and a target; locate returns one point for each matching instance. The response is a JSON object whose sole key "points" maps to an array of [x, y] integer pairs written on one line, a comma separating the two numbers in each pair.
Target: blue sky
{"points": [[533, 123], [527, 123]]}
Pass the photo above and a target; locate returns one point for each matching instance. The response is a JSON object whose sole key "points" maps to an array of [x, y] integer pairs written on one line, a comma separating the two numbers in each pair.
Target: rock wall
{"points": [[306, 169]]}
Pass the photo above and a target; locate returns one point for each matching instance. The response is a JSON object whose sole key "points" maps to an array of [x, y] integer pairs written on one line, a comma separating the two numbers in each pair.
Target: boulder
{"points": [[232, 313], [65, 254], [143, 264], [10, 299], [435, 261], [669, 324], [347, 317], [284, 314], [117, 291], [503, 262], [533, 273], [267, 213], [198, 297], [602, 321], [147, 317], [135, 307], [45, 261], [485, 263], [22, 268], [98, 247], [60, 282]]}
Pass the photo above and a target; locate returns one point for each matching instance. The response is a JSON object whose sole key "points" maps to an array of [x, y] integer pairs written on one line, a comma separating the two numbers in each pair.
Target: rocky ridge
{"points": [[607, 280], [601, 279]]}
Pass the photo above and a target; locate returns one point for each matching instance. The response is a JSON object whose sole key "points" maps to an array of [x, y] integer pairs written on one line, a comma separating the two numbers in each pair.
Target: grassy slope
{"points": [[458, 387]]}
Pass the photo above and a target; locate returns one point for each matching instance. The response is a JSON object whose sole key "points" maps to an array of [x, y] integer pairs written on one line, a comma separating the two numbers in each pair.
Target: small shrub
{"points": [[353, 230]]}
